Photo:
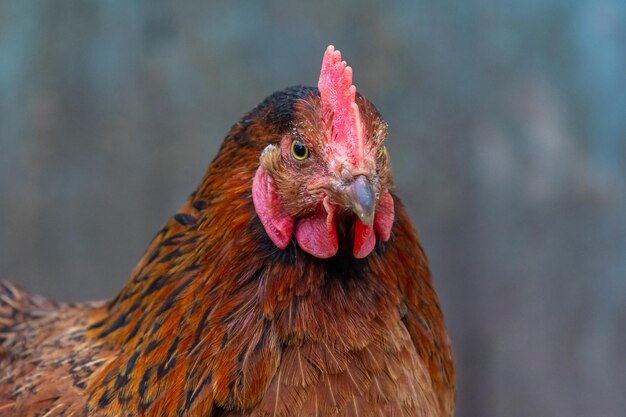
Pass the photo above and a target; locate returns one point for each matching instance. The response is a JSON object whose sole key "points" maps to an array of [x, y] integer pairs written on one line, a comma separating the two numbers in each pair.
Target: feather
{"points": [[222, 318]]}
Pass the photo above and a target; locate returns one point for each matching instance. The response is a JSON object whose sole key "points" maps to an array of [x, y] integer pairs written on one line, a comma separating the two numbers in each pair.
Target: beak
{"points": [[362, 200]]}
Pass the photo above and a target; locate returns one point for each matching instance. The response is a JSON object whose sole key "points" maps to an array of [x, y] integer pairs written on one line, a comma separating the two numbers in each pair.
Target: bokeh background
{"points": [[507, 136]]}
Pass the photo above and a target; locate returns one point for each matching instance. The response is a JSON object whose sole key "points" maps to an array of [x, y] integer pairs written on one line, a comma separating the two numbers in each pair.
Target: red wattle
{"points": [[385, 213], [316, 234], [364, 240]]}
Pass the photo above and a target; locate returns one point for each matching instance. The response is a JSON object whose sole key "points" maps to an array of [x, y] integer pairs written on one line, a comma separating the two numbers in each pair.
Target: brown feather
{"points": [[217, 321]]}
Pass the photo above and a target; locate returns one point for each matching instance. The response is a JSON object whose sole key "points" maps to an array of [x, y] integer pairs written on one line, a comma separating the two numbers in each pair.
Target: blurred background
{"points": [[507, 137]]}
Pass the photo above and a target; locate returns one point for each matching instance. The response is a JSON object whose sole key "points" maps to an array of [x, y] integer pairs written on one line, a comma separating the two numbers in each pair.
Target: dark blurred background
{"points": [[507, 135]]}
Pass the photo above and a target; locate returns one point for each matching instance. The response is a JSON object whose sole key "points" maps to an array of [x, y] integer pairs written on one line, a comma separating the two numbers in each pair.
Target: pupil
{"points": [[299, 149]]}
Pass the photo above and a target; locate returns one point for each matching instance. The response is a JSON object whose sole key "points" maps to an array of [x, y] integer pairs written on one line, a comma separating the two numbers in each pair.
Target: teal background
{"points": [[507, 138]]}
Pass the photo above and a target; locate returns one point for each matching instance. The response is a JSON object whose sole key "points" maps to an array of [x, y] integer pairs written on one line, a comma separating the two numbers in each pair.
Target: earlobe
{"points": [[268, 206]]}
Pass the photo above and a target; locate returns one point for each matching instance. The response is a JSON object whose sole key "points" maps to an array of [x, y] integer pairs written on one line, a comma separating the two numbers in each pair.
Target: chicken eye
{"points": [[299, 150]]}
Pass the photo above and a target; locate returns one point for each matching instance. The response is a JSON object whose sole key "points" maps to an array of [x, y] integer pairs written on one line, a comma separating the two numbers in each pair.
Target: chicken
{"points": [[290, 283]]}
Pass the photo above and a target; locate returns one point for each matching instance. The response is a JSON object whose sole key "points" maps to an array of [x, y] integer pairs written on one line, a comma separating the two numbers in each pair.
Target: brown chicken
{"points": [[291, 283]]}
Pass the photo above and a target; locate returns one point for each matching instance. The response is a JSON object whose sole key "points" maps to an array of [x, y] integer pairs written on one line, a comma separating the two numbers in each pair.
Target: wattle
{"points": [[316, 234], [364, 240]]}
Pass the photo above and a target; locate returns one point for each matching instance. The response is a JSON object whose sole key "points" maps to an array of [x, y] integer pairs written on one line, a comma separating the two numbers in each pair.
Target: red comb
{"points": [[338, 96]]}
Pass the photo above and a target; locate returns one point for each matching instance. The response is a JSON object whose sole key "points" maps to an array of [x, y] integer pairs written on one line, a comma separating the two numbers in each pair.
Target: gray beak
{"points": [[363, 199]]}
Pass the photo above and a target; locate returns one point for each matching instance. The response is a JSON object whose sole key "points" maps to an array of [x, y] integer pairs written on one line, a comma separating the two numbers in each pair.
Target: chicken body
{"points": [[216, 320]]}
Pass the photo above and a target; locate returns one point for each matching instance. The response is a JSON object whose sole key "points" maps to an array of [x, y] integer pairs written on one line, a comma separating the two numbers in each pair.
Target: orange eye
{"points": [[299, 150]]}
